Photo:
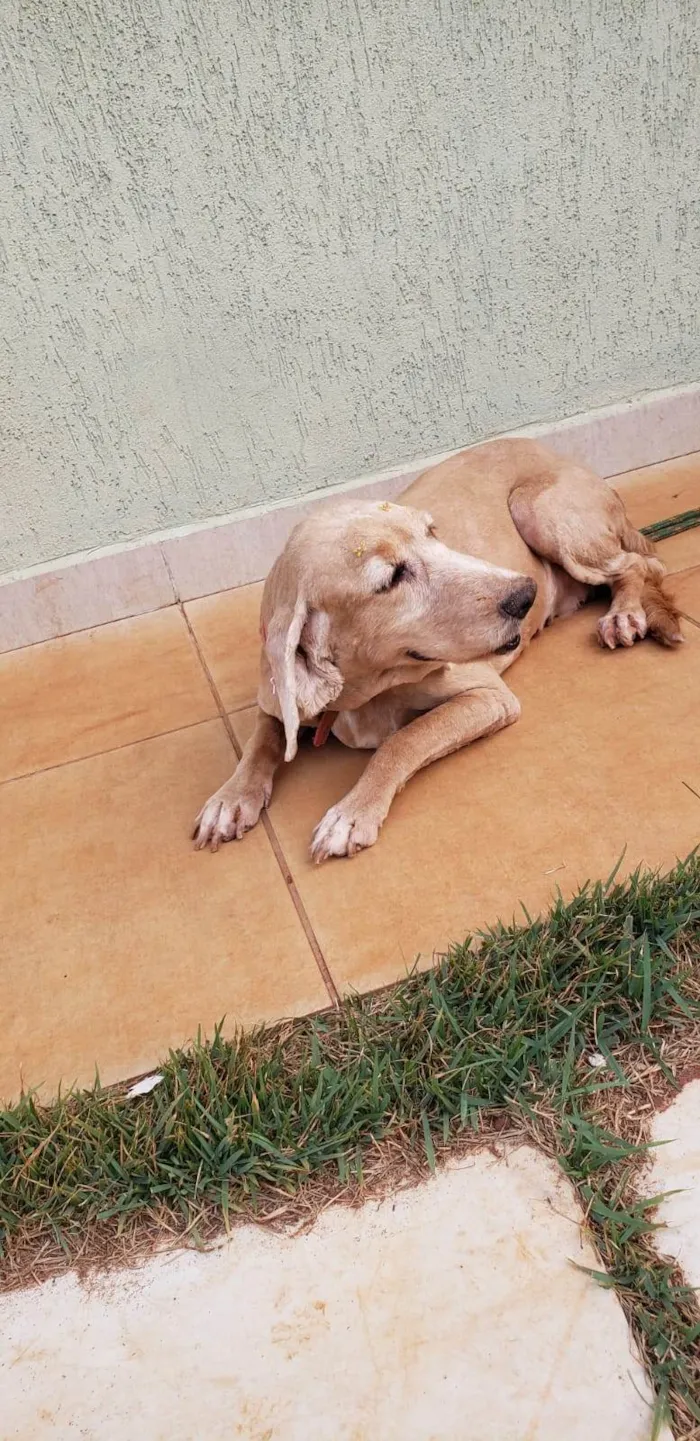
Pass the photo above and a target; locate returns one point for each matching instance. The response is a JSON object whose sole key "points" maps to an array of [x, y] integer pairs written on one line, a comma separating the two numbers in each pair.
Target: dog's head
{"points": [[369, 590]]}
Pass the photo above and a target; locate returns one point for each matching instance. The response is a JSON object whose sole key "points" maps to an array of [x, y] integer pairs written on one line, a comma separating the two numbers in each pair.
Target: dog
{"points": [[391, 625]]}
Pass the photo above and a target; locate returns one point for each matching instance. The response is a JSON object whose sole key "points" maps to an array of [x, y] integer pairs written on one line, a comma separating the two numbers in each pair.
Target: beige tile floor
{"points": [[119, 941]]}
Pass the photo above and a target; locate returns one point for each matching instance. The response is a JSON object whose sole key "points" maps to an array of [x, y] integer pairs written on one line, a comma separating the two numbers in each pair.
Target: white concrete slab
{"points": [[676, 1168], [448, 1313]]}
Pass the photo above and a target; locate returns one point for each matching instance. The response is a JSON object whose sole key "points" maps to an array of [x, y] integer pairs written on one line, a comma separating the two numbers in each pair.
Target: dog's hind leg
{"points": [[579, 523]]}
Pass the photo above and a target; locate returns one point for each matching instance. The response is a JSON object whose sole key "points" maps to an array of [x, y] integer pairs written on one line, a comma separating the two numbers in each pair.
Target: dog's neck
{"points": [[363, 687]]}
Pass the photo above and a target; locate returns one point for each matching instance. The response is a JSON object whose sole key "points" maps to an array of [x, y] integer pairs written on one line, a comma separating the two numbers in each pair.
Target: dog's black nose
{"points": [[517, 604]]}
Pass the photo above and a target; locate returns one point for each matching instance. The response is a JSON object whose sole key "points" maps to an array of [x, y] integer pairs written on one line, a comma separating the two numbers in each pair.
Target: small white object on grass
{"points": [[141, 1088], [596, 1060]]}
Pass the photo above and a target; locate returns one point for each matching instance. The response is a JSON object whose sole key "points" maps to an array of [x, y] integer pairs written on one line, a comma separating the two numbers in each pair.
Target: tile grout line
{"points": [[171, 604], [107, 751], [177, 598], [269, 829], [94, 625]]}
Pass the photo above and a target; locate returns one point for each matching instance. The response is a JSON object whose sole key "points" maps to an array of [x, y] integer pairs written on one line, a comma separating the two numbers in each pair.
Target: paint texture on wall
{"points": [[253, 249]]}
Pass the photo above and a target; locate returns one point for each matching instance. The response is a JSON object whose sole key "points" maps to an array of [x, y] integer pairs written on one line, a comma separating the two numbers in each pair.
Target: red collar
{"points": [[324, 727]]}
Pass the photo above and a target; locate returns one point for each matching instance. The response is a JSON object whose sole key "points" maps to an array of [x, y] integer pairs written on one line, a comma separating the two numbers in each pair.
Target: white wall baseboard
{"points": [[90, 589]]}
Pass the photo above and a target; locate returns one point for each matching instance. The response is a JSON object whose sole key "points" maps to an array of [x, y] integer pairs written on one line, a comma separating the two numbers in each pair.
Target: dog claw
{"points": [[342, 833], [228, 818], [622, 628]]}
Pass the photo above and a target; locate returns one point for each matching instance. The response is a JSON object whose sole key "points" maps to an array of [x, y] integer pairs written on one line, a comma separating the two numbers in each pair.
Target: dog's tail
{"points": [[633, 541], [663, 616]]}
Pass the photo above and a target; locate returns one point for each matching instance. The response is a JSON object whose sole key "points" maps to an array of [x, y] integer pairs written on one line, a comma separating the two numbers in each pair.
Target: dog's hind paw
{"points": [[622, 627], [344, 830]]}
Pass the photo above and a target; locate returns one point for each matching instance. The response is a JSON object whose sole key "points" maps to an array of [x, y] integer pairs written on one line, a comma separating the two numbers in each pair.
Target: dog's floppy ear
{"points": [[303, 677], [282, 635]]}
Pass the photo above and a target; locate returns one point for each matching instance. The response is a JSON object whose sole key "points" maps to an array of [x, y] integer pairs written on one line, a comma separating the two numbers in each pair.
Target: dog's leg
{"points": [[354, 823], [578, 522], [235, 808]]}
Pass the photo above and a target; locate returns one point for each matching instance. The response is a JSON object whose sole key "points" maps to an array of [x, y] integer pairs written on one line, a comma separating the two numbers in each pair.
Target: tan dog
{"points": [[392, 624]]}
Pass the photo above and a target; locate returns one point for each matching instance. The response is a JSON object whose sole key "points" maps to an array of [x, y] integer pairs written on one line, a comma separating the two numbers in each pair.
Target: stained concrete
{"points": [[676, 1171], [446, 1313]]}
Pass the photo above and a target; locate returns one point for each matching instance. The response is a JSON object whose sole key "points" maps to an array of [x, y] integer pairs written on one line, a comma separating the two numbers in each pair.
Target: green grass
{"points": [[277, 1122]]}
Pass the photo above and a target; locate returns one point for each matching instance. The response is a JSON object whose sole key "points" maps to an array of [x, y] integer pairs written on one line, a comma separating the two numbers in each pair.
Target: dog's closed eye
{"points": [[399, 573]]}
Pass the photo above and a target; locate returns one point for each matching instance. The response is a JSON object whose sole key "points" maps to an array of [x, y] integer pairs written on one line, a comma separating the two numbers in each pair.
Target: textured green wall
{"points": [[254, 248]]}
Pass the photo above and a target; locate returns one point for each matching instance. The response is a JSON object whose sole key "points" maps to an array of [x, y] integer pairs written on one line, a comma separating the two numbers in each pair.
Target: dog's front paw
{"points": [[622, 627], [228, 814], [344, 830]]}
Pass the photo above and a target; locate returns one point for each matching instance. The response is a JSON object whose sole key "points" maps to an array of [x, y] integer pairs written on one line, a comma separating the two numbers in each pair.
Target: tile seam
{"points": [[96, 625], [106, 751], [275, 844]]}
